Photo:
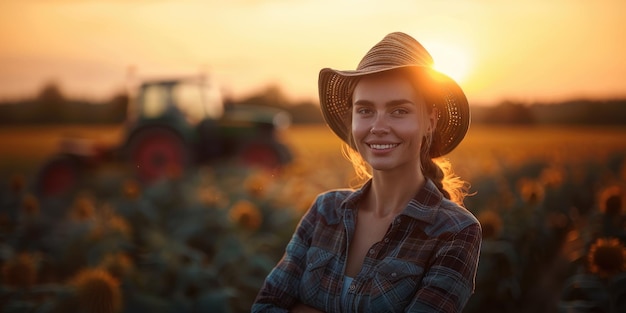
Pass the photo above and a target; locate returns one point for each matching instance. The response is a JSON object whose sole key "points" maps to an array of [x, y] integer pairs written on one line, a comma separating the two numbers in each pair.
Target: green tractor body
{"points": [[173, 126]]}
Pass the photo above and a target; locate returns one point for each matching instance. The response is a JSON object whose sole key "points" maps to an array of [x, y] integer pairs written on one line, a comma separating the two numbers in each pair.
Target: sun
{"points": [[451, 60]]}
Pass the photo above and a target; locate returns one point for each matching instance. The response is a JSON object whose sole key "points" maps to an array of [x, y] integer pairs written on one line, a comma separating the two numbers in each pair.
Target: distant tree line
{"points": [[50, 106], [573, 112]]}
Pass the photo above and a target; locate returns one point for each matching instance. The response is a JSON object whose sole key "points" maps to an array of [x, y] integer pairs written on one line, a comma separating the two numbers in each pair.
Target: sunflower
{"points": [[131, 189], [257, 184], [552, 177], [30, 205], [97, 291], [212, 196], [83, 208], [491, 224], [246, 214], [119, 265], [531, 191], [611, 201], [110, 223], [607, 257], [118, 224], [20, 272]]}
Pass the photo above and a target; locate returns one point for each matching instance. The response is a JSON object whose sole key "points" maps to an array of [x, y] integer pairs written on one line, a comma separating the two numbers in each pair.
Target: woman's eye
{"points": [[399, 111], [363, 110]]}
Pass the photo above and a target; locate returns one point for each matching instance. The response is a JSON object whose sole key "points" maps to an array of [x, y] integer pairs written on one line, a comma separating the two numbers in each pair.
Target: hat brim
{"points": [[336, 88]]}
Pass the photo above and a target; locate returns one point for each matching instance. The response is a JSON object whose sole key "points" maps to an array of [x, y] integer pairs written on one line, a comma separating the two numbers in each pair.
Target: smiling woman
{"points": [[402, 242]]}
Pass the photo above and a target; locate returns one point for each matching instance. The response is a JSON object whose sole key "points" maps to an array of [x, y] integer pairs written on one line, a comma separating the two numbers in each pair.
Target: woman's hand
{"points": [[302, 308]]}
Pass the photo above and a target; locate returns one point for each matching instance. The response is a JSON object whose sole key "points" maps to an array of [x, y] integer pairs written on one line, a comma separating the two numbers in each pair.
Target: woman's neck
{"points": [[391, 191]]}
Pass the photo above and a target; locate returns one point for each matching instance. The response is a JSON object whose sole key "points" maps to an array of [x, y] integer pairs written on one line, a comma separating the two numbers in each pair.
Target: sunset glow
{"points": [[528, 50], [451, 60]]}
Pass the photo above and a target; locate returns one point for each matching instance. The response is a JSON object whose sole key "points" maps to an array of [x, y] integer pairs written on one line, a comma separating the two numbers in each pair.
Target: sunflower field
{"points": [[551, 201]]}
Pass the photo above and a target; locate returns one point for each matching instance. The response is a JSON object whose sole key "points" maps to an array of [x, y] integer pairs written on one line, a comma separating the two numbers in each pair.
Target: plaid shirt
{"points": [[425, 263]]}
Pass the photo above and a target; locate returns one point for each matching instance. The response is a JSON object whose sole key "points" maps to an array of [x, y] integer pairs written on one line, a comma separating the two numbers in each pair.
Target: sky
{"points": [[532, 50]]}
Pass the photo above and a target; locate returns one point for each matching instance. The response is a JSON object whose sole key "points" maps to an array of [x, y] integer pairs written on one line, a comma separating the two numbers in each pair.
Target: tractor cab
{"points": [[180, 104]]}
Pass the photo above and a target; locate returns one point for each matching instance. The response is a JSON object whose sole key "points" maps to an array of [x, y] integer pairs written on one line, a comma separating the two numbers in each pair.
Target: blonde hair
{"points": [[438, 170]]}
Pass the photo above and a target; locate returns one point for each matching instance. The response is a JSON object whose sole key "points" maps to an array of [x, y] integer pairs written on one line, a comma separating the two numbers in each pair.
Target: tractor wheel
{"points": [[59, 176], [156, 154], [260, 154]]}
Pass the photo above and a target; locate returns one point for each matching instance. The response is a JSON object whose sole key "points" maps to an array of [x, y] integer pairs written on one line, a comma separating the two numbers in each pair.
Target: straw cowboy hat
{"points": [[394, 51]]}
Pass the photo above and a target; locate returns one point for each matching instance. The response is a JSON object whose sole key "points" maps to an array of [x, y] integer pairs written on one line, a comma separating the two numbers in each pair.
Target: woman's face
{"points": [[389, 122]]}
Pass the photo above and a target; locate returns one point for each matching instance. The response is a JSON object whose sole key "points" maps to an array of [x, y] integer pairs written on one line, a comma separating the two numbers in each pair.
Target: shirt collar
{"points": [[425, 203], [422, 207]]}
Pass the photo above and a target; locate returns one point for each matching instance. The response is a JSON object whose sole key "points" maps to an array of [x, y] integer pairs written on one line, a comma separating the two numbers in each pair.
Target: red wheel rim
{"points": [[157, 156]]}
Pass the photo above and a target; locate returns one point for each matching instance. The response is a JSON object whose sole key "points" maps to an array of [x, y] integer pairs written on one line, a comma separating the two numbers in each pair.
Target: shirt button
{"points": [[372, 251], [386, 240], [394, 274], [352, 287], [398, 220]]}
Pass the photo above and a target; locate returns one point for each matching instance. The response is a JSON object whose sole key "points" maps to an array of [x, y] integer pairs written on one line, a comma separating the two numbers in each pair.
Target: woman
{"points": [[402, 242]]}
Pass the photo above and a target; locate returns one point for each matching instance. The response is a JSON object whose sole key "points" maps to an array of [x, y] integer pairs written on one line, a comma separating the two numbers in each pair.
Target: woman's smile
{"points": [[382, 146], [381, 149]]}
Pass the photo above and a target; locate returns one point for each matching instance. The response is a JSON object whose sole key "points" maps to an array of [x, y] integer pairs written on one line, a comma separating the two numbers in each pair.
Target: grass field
{"points": [[484, 149], [551, 200], [24, 147]]}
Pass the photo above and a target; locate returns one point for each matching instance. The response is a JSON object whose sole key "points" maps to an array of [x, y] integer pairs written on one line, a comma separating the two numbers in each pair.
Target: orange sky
{"points": [[532, 50]]}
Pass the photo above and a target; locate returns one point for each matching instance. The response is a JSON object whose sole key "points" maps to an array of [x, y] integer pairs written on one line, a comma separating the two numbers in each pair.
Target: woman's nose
{"points": [[379, 125]]}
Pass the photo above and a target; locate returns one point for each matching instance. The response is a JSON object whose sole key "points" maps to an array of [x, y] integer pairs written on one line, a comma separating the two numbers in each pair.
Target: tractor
{"points": [[174, 125]]}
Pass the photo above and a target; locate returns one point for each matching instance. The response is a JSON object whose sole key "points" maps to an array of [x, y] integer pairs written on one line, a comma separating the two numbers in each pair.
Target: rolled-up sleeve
{"points": [[449, 282]]}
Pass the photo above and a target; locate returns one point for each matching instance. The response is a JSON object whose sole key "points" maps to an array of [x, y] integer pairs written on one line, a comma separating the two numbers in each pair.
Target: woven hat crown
{"points": [[396, 49]]}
